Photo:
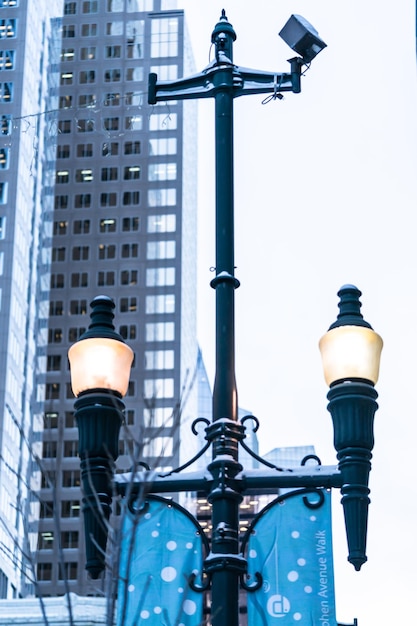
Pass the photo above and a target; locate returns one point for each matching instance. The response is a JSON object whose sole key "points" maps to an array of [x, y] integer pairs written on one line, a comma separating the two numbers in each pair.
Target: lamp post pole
{"points": [[225, 482]]}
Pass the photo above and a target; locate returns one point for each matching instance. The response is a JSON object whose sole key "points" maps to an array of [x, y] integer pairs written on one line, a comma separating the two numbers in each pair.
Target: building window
{"points": [[112, 75], [4, 158], [114, 28], [164, 37], [79, 279], [160, 250], [90, 6], [58, 254], [110, 148], [73, 335], [113, 52], [161, 223], [160, 304], [66, 78], [111, 123], [105, 279], [63, 152], [51, 419], [106, 251], [78, 307], [62, 177], [88, 53], [163, 121], [70, 508], [162, 197], [71, 478], [115, 6], [64, 127], [44, 571], [71, 448], [108, 199], [131, 172], [109, 173], [55, 335], [80, 253], [7, 59], [159, 359], [68, 571], [69, 539], [70, 8], [81, 227], [56, 307], [158, 388], [6, 92], [6, 125], [84, 150], [160, 277], [61, 202], [87, 76], [112, 99], [49, 449], [132, 147], [130, 250], [159, 331], [69, 419], [67, 54], [84, 176], [162, 171], [131, 197], [133, 122], [47, 509], [8, 28], [163, 146], [60, 228], [134, 73], [57, 281], [128, 332], [130, 224], [129, 277], [85, 126], [88, 30], [52, 391], [128, 305], [108, 225], [53, 363], [82, 201], [3, 200], [87, 100], [68, 31]]}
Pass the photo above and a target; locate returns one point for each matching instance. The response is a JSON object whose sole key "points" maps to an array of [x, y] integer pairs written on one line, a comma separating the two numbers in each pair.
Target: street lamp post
{"points": [[99, 407]]}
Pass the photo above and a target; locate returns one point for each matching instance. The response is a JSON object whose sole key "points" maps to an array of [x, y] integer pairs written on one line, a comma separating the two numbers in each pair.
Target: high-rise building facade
{"points": [[124, 225], [29, 43]]}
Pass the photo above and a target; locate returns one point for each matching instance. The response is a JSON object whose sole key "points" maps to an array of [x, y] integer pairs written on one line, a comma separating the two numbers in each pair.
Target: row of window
{"points": [[85, 150], [112, 6], [112, 75], [154, 277], [155, 224], [152, 389], [67, 571], [106, 199], [154, 250], [154, 332], [106, 225], [52, 419], [155, 304], [8, 28], [131, 122], [83, 175], [68, 539]]}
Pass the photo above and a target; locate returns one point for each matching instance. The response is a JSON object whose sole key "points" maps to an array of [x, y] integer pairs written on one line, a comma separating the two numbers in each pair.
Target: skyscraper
{"points": [[124, 224], [28, 45]]}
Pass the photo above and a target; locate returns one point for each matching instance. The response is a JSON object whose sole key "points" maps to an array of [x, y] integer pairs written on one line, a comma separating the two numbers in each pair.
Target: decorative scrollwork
{"points": [[311, 457], [205, 586], [251, 586], [251, 452], [179, 469], [317, 503]]}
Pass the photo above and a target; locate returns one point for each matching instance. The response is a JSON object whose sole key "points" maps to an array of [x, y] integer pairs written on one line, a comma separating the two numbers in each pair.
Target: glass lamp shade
{"points": [[351, 352], [100, 363]]}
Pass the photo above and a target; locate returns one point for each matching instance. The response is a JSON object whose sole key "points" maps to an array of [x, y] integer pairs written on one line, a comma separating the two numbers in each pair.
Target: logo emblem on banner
{"points": [[161, 548], [290, 545]]}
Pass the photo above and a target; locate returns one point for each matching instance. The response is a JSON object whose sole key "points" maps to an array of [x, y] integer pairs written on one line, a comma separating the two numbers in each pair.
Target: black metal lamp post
{"points": [[351, 396]]}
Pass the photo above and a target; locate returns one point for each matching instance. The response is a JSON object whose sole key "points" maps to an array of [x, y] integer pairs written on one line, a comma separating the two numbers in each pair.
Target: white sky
{"points": [[325, 194]]}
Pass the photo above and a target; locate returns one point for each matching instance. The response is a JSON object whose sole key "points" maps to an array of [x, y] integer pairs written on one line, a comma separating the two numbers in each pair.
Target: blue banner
{"points": [[160, 549], [291, 547]]}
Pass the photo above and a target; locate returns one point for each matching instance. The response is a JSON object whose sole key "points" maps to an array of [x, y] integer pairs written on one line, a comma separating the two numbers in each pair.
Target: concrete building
{"points": [[124, 224], [29, 45]]}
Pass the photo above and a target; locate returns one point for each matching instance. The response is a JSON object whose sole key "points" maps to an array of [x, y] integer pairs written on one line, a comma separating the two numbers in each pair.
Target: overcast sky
{"points": [[325, 194]]}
